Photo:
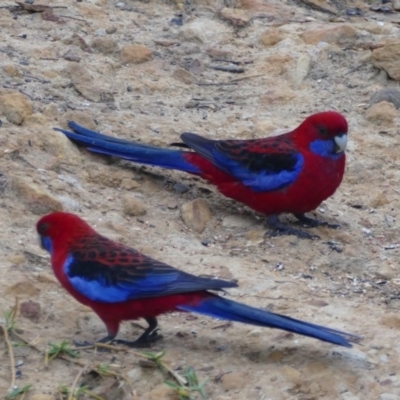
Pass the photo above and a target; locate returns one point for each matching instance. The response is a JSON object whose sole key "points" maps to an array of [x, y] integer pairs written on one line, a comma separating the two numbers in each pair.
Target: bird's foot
{"points": [[143, 341], [312, 222], [280, 229]]}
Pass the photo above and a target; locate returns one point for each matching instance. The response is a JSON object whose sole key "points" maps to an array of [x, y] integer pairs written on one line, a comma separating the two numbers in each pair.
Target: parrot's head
{"points": [[325, 134], [58, 227]]}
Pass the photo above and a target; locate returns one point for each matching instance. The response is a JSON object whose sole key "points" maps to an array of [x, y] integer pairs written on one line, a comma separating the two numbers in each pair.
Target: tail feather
{"points": [[132, 151], [221, 308]]}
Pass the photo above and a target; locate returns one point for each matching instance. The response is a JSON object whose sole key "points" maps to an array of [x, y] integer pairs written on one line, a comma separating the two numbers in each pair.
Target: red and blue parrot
{"points": [[290, 173], [121, 284]]}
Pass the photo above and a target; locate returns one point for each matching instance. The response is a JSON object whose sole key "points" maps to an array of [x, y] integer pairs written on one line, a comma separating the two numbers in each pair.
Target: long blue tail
{"points": [[221, 308], [132, 151]]}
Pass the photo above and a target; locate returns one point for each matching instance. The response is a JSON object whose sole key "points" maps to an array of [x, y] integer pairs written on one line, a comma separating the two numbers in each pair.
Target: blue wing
{"points": [[130, 276], [263, 165]]}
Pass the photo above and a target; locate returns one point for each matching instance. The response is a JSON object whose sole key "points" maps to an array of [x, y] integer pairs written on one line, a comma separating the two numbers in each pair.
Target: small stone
{"points": [[196, 214], [237, 17], [72, 55], [392, 321], [321, 5], [161, 392], [385, 272], [180, 188], [237, 221], [11, 70], [205, 30], [86, 85], [36, 199], [389, 396], [301, 70], [134, 375], [337, 35], [387, 57], [381, 113], [184, 76], [41, 396], [391, 95], [31, 310], [23, 288], [135, 54], [271, 37], [234, 381], [105, 45], [15, 107], [318, 303], [110, 30], [133, 206]]}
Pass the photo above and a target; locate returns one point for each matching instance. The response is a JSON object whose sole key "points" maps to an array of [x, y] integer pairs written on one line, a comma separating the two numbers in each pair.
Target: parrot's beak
{"points": [[340, 142]]}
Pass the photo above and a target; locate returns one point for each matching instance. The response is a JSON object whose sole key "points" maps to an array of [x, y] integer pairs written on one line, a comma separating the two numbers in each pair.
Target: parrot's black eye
{"points": [[43, 228], [323, 131]]}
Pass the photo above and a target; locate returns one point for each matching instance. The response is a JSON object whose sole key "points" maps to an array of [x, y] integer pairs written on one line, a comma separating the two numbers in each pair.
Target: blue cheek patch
{"points": [[46, 243], [264, 181], [325, 148]]}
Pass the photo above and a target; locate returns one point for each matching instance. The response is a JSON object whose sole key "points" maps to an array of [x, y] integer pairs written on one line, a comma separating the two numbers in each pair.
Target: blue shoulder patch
{"points": [[265, 180]]}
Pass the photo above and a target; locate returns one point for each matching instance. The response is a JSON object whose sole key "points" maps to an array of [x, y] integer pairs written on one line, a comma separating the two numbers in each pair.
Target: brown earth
{"points": [[127, 68]]}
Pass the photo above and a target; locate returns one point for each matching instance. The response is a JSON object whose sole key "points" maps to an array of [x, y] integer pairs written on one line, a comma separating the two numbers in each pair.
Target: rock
{"points": [[11, 70], [271, 37], [36, 200], [84, 84], [205, 30], [234, 381], [133, 206], [235, 16], [387, 57], [391, 95], [72, 55], [184, 76], [318, 303], [105, 45], [23, 288], [31, 310], [321, 5], [385, 272], [275, 96], [161, 392], [58, 145], [180, 188], [392, 321], [15, 107], [381, 113], [292, 374], [135, 54], [110, 388], [341, 34], [196, 214], [237, 221], [134, 375], [41, 396], [301, 70], [379, 199], [389, 396]]}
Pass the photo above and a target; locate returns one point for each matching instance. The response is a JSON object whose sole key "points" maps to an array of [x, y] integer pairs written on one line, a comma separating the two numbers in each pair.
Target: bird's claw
{"points": [[313, 223], [291, 231], [142, 341]]}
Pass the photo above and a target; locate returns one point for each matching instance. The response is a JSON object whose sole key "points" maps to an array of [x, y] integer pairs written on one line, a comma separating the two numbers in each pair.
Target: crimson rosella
{"points": [[121, 284], [290, 173]]}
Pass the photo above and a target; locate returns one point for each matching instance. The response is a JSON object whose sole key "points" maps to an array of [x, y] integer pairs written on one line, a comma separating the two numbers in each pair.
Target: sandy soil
{"points": [[72, 68]]}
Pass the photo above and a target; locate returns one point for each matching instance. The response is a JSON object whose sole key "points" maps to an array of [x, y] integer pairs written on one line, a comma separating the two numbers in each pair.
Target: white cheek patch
{"points": [[341, 142]]}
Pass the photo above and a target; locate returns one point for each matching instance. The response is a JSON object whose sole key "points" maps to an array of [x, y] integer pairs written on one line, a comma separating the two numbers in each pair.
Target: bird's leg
{"points": [[311, 222], [282, 229], [149, 335]]}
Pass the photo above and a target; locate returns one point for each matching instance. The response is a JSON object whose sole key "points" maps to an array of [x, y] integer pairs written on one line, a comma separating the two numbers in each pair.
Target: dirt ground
{"points": [[77, 63]]}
